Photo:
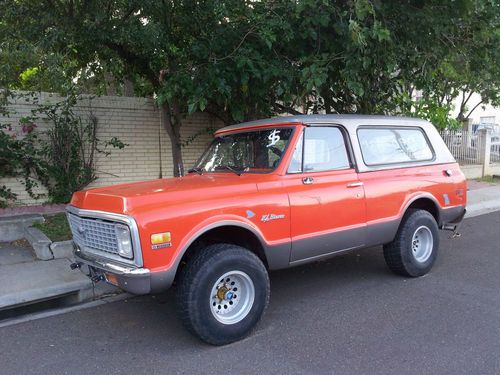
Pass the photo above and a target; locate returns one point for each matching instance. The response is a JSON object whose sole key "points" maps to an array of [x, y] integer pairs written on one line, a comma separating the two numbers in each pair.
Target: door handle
{"points": [[354, 184], [307, 180]]}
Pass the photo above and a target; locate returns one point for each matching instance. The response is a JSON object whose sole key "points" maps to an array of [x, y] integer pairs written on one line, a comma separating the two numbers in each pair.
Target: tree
{"points": [[208, 55], [368, 56], [470, 61], [241, 60]]}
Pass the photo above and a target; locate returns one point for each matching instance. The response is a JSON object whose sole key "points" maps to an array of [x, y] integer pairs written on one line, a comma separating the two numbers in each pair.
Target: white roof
{"points": [[345, 120]]}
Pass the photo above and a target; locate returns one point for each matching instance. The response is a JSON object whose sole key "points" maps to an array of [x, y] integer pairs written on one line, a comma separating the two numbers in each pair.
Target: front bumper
{"points": [[131, 279]]}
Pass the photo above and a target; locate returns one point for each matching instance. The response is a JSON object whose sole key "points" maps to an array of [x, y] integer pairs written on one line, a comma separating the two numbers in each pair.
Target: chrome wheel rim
{"points": [[232, 297], [422, 244]]}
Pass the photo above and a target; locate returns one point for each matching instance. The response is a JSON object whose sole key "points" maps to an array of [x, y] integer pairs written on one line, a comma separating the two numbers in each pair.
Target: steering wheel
{"points": [[276, 151]]}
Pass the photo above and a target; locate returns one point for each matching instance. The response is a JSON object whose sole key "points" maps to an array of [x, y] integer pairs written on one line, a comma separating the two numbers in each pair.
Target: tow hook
{"points": [[96, 278], [75, 265]]}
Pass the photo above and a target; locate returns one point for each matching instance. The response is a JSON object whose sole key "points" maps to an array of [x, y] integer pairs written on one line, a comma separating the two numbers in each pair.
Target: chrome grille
{"points": [[96, 234]]}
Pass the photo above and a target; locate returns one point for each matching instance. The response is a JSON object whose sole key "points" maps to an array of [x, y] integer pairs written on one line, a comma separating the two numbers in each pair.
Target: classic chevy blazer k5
{"points": [[267, 195]]}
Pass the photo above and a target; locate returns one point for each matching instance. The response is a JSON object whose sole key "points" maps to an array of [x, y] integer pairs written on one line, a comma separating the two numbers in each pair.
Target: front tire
{"points": [[414, 250], [222, 293]]}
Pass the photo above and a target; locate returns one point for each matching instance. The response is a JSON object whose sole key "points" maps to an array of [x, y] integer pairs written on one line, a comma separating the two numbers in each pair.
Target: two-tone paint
{"points": [[314, 214]]}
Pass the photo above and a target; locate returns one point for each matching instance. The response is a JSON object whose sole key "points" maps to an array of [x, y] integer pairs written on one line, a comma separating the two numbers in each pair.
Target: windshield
{"points": [[254, 151]]}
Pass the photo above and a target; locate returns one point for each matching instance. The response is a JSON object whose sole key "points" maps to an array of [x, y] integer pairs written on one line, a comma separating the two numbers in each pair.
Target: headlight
{"points": [[124, 241]]}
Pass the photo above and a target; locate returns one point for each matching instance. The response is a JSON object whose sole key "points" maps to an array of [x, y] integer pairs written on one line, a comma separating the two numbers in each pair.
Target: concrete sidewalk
{"points": [[483, 201], [27, 280], [24, 279], [31, 282]]}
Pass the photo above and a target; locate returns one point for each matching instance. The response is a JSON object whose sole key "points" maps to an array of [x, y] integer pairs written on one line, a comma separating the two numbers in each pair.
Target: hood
{"points": [[127, 198]]}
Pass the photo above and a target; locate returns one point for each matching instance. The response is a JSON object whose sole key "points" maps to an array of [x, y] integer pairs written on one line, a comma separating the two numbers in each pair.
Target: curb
{"points": [[17, 227], [62, 249], [82, 306], [54, 258], [39, 242], [482, 208], [13, 228], [32, 282], [44, 248]]}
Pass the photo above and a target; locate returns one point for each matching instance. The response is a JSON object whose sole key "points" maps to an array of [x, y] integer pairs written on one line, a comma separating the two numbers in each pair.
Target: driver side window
{"points": [[323, 150]]}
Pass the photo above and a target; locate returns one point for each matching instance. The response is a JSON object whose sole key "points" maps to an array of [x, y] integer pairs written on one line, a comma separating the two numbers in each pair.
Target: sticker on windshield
{"points": [[273, 138]]}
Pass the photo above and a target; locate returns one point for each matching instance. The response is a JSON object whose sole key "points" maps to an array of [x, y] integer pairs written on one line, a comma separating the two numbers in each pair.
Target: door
{"points": [[327, 205]]}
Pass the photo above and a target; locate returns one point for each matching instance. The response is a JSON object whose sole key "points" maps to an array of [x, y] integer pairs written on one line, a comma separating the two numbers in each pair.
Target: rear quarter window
{"points": [[393, 145]]}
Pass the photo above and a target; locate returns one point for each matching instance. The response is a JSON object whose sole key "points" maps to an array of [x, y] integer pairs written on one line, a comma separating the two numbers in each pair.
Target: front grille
{"points": [[96, 234]]}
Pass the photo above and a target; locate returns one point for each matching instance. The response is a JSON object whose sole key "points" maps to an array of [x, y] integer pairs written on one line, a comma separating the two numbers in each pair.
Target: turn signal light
{"points": [[159, 238]]}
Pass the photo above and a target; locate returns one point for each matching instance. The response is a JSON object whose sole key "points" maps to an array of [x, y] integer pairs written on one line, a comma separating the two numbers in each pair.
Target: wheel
{"points": [[222, 293], [414, 249]]}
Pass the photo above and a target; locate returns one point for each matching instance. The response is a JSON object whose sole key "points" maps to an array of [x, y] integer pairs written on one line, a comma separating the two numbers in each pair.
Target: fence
{"points": [[464, 146], [495, 148], [478, 153]]}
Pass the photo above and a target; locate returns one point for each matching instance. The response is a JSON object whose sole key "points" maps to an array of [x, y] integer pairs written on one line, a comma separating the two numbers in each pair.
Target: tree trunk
{"points": [[364, 106], [328, 102], [128, 88], [171, 121], [110, 84], [463, 105]]}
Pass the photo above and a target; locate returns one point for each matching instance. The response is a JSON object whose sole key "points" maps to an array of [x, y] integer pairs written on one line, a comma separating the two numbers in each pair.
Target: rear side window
{"points": [[394, 145]]}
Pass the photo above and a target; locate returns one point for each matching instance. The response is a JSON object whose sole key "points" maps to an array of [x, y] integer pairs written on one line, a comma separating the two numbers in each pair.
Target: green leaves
{"points": [[363, 9], [357, 34], [61, 158], [245, 60], [380, 32], [28, 74], [428, 109]]}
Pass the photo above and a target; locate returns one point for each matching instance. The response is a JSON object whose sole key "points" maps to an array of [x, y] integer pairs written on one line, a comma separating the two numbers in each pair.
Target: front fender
{"points": [[212, 223], [163, 277]]}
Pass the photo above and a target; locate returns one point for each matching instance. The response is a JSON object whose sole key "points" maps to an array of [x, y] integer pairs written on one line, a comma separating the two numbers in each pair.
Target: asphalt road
{"points": [[349, 315]]}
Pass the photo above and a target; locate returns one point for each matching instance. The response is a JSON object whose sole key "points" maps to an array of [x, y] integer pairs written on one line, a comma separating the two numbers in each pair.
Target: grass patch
{"points": [[489, 179], [55, 227]]}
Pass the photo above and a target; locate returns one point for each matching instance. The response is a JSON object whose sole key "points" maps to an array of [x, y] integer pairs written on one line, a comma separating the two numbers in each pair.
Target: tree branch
{"points": [[134, 60], [238, 46], [467, 100], [474, 108], [283, 108]]}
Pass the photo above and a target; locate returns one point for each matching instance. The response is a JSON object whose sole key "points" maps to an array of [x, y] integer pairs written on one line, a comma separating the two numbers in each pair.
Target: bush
{"points": [[62, 158], [15, 160]]}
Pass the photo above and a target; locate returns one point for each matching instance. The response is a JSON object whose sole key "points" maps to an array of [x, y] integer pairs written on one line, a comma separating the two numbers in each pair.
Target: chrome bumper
{"points": [[131, 279]]}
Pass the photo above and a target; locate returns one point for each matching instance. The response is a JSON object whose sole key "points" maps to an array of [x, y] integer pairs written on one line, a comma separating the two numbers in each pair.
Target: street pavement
{"points": [[348, 315]]}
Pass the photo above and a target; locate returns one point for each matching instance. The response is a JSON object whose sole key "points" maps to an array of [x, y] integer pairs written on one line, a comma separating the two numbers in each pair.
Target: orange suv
{"points": [[268, 195]]}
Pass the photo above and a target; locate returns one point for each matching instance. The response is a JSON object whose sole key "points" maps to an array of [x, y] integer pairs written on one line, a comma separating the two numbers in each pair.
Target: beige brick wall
{"points": [[135, 121]]}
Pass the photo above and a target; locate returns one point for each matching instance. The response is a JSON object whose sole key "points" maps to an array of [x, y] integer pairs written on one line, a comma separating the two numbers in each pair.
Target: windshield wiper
{"points": [[229, 168], [196, 170]]}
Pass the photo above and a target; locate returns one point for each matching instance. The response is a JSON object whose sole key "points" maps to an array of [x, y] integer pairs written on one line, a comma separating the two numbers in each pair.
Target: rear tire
{"points": [[414, 249], [222, 293]]}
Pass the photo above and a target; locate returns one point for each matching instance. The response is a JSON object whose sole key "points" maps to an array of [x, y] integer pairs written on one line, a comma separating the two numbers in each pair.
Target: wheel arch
{"points": [[425, 202], [232, 232]]}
